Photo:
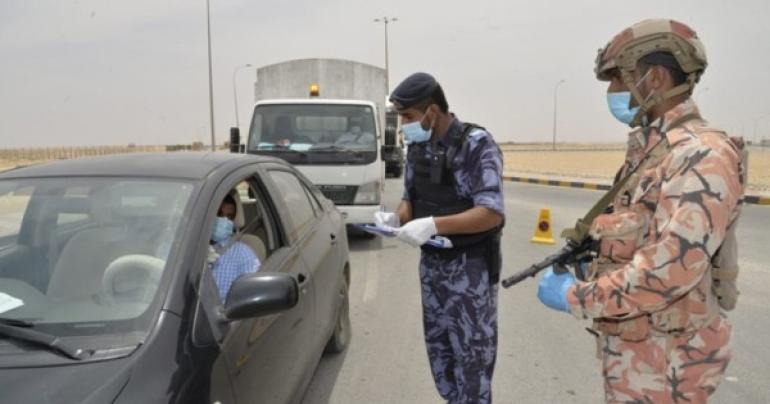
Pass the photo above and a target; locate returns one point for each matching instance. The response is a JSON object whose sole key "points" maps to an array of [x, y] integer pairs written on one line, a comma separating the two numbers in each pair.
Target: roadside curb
{"points": [[752, 199]]}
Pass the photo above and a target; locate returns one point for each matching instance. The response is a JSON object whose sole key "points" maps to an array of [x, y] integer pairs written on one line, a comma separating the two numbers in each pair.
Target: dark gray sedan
{"points": [[112, 290]]}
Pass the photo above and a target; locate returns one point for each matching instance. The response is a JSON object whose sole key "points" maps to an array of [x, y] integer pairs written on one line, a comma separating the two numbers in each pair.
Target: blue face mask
{"points": [[414, 132], [619, 106], [223, 228], [620, 103]]}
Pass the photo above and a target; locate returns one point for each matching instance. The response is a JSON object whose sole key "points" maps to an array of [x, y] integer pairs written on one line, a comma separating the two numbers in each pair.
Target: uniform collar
{"points": [[646, 136], [454, 126], [686, 107]]}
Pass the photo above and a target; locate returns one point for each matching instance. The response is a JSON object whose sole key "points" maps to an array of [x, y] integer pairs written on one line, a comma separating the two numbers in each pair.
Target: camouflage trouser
{"points": [[460, 323], [641, 372]]}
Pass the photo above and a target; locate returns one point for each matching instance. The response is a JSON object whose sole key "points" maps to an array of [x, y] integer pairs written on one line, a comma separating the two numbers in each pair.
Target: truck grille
{"points": [[339, 194]]}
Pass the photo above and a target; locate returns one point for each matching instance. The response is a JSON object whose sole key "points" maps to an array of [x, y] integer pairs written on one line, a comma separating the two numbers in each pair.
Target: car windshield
{"points": [[320, 132], [84, 256]]}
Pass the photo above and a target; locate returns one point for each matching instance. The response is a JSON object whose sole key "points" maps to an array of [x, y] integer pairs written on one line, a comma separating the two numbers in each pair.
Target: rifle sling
{"points": [[580, 231]]}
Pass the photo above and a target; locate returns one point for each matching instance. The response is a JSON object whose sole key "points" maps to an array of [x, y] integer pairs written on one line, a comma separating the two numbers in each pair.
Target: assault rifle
{"points": [[570, 255], [580, 245]]}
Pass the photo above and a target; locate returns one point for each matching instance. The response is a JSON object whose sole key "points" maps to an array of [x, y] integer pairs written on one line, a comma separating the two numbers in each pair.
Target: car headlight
{"points": [[368, 194]]}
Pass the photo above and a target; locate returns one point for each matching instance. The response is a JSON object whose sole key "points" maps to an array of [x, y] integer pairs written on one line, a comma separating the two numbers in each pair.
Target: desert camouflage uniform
{"points": [[662, 337]]}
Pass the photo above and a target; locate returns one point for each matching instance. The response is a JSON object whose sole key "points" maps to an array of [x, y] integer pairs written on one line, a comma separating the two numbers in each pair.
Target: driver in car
{"points": [[355, 135], [230, 258]]}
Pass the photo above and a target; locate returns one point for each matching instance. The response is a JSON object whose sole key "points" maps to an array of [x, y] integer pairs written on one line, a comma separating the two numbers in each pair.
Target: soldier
{"points": [[655, 290], [453, 187]]}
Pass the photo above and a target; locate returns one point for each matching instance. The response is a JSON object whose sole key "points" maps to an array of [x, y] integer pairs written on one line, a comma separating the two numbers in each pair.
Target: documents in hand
{"points": [[8, 302], [387, 231]]}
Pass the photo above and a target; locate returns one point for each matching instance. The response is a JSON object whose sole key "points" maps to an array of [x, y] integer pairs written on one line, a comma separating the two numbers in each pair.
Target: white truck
{"points": [[325, 117]]}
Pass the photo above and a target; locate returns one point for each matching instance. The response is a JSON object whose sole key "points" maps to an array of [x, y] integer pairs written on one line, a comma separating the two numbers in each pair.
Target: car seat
{"points": [[254, 242]]}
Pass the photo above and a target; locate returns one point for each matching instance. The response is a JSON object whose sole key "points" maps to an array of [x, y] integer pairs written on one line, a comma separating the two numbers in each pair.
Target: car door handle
{"points": [[333, 238]]}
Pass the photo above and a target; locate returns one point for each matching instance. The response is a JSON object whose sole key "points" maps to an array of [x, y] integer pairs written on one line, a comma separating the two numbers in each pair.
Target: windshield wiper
{"points": [[283, 149], [334, 147], [16, 322], [22, 330]]}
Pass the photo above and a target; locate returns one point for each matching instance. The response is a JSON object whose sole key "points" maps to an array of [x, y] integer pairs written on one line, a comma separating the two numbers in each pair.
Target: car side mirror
{"points": [[261, 294], [235, 140]]}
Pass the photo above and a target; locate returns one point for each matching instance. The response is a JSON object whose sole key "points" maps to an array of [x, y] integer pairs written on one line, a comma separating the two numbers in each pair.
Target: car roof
{"points": [[182, 165]]}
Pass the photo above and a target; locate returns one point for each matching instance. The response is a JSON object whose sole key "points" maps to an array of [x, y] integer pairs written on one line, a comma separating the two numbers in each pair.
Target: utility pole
{"points": [[555, 92], [211, 84], [235, 93], [386, 21]]}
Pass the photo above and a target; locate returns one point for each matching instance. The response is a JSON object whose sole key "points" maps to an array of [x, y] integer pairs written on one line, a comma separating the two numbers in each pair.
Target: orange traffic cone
{"points": [[543, 232]]}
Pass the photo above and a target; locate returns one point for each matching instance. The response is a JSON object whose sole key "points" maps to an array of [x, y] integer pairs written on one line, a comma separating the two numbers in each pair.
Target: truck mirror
{"points": [[235, 140]]}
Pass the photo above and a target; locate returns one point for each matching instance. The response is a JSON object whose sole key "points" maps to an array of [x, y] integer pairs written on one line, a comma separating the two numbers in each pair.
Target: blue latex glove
{"points": [[552, 289]]}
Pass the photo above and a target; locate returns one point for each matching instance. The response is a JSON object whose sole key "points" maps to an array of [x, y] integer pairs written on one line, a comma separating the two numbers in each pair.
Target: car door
{"points": [[331, 264], [264, 355], [317, 245]]}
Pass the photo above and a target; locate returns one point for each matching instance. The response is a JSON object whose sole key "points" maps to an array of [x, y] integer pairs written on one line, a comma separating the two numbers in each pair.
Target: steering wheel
{"points": [[133, 277]]}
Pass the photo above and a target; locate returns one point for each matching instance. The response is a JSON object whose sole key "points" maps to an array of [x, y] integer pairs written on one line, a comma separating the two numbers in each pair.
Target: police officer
{"points": [[666, 265], [452, 188]]}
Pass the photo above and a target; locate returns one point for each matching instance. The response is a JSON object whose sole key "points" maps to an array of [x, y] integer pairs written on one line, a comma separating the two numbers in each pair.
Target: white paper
{"points": [[387, 231], [8, 302]]}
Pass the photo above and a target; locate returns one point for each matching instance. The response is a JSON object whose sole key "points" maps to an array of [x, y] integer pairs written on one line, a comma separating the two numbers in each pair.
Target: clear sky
{"points": [[93, 72]]}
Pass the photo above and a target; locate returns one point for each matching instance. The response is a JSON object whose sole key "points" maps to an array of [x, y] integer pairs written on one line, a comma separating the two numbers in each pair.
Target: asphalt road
{"points": [[543, 356]]}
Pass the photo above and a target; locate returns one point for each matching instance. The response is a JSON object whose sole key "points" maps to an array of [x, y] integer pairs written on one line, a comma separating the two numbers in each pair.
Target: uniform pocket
{"points": [[620, 234]]}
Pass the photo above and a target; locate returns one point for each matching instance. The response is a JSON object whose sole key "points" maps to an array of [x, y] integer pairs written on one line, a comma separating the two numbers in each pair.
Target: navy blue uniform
{"points": [[459, 300]]}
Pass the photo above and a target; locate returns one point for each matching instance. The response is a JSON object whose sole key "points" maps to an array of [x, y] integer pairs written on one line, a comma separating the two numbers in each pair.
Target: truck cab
{"points": [[336, 143]]}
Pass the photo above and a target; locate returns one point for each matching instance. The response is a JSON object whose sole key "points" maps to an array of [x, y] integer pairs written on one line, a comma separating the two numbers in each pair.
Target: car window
{"points": [[104, 271], [257, 221], [13, 204], [313, 201], [294, 196], [72, 211]]}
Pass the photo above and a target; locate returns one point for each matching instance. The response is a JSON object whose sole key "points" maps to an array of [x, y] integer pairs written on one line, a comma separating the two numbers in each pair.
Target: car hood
{"points": [[92, 382]]}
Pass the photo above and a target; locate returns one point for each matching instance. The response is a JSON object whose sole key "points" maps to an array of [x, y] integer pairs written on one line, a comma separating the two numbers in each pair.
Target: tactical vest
{"points": [[434, 193], [724, 269]]}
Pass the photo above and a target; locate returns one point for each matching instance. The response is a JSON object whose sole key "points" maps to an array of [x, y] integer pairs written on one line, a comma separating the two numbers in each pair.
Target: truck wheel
{"points": [[341, 335]]}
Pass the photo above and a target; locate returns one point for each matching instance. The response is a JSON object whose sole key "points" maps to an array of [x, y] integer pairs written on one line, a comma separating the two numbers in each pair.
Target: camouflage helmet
{"points": [[625, 50]]}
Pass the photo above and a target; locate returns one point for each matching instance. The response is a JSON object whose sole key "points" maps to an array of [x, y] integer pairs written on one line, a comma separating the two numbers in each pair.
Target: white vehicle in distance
{"points": [[330, 132]]}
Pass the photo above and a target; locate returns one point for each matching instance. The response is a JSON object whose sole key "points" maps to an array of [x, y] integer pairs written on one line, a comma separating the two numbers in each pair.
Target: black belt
{"points": [[476, 250]]}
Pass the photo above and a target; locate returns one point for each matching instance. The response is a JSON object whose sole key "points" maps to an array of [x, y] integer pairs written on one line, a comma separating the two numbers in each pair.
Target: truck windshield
{"points": [[322, 133], [83, 257]]}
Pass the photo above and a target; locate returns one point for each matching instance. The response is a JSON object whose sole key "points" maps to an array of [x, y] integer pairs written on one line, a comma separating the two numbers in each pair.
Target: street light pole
{"points": [[235, 93], [555, 90], [211, 84], [386, 21]]}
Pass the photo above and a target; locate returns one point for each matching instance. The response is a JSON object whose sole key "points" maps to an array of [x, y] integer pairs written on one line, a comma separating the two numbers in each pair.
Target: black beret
{"points": [[415, 88]]}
